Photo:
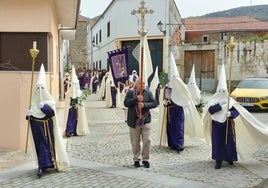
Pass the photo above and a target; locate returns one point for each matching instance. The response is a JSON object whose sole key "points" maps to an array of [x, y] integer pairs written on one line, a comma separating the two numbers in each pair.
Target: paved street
{"points": [[104, 159]]}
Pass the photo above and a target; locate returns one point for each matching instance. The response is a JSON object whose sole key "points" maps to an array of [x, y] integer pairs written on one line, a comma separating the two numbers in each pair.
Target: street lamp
{"points": [[162, 28]]}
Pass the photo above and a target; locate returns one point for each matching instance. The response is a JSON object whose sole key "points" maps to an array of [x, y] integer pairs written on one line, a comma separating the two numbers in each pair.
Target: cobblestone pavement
{"points": [[104, 159]]}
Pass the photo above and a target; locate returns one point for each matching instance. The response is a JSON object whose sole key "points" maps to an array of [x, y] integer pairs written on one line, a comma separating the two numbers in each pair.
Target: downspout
{"points": [[60, 28]]}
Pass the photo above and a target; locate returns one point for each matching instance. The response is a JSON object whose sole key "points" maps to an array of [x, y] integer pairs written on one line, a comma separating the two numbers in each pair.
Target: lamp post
{"points": [[160, 27], [163, 28], [34, 52]]}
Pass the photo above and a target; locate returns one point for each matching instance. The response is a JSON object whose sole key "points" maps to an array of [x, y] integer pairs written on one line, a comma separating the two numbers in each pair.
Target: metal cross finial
{"points": [[142, 11]]}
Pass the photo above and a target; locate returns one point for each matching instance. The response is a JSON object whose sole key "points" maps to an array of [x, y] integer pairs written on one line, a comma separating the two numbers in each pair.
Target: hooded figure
{"points": [[155, 86], [75, 115], [177, 114], [245, 133], [193, 89], [223, 138], [47, 140], [102, 91]]}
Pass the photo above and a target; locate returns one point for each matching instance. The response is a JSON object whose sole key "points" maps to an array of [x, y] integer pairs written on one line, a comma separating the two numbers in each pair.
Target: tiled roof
{"points": [[225, 24]]}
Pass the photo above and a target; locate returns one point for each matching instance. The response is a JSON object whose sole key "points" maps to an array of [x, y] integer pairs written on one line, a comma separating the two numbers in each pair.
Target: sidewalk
{"points": [[104, 159]]}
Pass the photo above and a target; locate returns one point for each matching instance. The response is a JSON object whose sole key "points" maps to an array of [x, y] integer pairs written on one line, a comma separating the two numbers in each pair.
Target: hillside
{"points": [[258, 11]]}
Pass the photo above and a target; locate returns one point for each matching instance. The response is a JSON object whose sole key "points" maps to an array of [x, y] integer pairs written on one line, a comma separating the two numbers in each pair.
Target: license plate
{"points": [[247, 104]]}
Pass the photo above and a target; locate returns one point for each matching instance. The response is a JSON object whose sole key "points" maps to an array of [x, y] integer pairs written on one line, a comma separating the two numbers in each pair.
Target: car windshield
{"points": [[257, 84]]}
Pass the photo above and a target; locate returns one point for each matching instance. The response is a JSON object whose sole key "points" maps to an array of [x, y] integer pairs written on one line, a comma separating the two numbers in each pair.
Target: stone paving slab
{"points": [[104, 159]]}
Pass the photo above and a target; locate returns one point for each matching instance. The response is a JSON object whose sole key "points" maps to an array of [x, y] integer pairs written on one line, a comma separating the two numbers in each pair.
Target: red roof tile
{"points": [[225, 24]]}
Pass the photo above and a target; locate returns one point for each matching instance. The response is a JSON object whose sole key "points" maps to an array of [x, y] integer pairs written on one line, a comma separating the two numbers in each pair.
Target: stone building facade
{"points": [[78, 47]]}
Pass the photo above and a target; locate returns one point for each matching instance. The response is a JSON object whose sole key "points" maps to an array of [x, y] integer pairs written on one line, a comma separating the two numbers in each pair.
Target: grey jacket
{"points": [[131, 101]]}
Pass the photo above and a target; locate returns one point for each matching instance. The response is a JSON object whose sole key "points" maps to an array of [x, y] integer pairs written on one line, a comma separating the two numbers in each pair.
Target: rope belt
{"points": [[233, 130], [47, 134]]}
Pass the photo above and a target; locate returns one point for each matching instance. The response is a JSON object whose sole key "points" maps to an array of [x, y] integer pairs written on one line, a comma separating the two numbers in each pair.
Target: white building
{"points": [[117, 28]]}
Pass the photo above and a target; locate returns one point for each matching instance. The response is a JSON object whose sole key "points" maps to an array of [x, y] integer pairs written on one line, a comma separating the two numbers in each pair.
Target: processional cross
{"points": [[142, 11]]}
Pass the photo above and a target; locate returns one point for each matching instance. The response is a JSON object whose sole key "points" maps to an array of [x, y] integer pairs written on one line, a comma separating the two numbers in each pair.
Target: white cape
{"points": [[193, 123], [250, 133]]}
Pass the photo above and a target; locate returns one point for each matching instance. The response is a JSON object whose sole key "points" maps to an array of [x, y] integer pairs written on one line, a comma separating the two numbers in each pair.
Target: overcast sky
{"points": [[90, 8]]}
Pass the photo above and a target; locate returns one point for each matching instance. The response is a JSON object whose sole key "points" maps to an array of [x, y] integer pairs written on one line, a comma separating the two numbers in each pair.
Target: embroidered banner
{"points": [[118, 61]]}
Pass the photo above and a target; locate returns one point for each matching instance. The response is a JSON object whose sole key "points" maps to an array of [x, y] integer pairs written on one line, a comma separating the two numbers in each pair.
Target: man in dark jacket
{"points": [[139, 101]]}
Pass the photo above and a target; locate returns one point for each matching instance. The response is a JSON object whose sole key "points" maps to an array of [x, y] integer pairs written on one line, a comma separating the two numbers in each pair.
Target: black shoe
{"points": [[146, 164], [67, 135], [180, 149], [75, 134], [39, 172], [137, 164], [218, 165], [230, 162]]}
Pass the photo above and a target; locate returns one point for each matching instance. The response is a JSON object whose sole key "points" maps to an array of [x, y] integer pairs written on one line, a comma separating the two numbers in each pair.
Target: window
{"points": [[97, 39], [205, 39], [100, 36], [100, 65], [224, 36], [93, 41], [14, 57], [108, 29]]}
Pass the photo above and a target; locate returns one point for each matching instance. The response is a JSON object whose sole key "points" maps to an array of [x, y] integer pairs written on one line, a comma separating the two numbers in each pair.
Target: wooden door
{"points": [[204, 62]]}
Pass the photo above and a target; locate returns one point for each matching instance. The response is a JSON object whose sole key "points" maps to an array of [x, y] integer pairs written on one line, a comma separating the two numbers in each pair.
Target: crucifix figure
{"points": [[142, 11]]}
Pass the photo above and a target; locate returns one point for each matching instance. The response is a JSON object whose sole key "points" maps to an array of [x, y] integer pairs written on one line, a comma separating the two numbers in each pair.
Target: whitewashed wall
{"points": [[126, 26]]}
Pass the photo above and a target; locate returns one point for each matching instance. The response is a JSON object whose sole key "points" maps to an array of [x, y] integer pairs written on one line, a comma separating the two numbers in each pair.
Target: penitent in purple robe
{"points": [[221, 150], [71, 125], [175, 126], [43, 136]]}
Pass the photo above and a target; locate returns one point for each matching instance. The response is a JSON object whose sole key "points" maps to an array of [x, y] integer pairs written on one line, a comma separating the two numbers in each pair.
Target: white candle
{"points": [[232, 40], [34, 45]]}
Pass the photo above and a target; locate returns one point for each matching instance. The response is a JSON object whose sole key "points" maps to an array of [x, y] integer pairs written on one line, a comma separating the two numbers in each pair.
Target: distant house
{"points": [[206, 46], [118, 28]]}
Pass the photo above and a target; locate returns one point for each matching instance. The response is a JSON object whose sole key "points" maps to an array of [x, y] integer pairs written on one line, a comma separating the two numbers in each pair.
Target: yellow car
{"points": [[252, 93]]}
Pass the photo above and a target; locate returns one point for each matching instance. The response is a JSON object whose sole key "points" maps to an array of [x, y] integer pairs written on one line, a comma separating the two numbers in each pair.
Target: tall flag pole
{"points": [[142, 10], [231, 47]]}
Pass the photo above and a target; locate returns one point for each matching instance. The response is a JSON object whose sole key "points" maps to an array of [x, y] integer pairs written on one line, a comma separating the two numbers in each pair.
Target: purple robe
{"points": [[72, 118], [221, 150], [95, 84], [113, 94], [175, 126], [43, 136]]}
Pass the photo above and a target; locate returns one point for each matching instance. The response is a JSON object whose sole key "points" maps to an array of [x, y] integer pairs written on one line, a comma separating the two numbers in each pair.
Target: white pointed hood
{"points": [[179, 94], [221, 93], [173, 72], [193, 88], [222, 86], [155, 81], [41, 77], [41, 94], [75, 86]]}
